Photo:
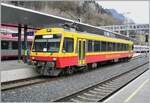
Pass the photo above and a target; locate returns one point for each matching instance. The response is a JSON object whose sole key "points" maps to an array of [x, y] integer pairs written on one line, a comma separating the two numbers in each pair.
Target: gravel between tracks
{"points": [[51, 90]]}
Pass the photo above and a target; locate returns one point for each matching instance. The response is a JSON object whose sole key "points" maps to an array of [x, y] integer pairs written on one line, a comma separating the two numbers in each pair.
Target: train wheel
{"points": [[69, 71], [89, 66], [94, 65], [85, 69], [128, 59], [99, 64]]}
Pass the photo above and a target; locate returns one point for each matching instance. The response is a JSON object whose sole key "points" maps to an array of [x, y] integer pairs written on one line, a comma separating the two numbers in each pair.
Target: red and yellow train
{"points": [[56, 50]]}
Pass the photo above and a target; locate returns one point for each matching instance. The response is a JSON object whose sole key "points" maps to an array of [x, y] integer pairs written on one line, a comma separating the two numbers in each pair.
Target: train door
{"points": [[81, 51], [130, 50]]}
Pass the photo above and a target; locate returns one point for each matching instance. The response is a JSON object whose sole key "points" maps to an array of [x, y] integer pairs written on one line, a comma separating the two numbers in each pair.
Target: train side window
{"points": [[118, 47], [106, 48], [123, 47], [103, 46], [110, 46], [14, 45], [89, 46], [113, 46], [127, 47], [68, 45], [100, 45], [96, 46], [4, 44]]}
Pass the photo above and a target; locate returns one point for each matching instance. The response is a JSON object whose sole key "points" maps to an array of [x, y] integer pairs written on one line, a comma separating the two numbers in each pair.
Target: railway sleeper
{"points": [[102, 92], [93, 95], [78, 99], [86, 99], [108, 85]]}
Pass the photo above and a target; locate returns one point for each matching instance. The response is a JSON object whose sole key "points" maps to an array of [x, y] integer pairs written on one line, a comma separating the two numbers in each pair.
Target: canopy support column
{"points": [[25, 43], [19, 43]]}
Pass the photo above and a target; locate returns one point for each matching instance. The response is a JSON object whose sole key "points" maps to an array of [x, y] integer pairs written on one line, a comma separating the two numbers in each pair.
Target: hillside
{"points": [[87, 11]]}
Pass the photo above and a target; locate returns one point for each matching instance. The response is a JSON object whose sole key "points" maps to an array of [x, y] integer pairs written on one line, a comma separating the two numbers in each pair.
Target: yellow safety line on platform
{"points": [[136, 91]]}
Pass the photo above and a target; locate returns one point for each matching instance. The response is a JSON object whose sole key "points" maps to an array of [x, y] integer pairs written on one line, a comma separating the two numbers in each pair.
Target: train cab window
{"points": [[47, 43], [90, 46], [14, 45], [4, 44], [68, 45]]}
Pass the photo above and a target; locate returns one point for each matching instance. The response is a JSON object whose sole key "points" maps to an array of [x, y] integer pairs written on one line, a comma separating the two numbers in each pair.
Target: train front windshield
{"points": [[47, 43]]}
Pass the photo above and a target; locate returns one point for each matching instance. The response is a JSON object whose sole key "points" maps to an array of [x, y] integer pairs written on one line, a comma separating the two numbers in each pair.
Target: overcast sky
{"points": [[139, 10]]}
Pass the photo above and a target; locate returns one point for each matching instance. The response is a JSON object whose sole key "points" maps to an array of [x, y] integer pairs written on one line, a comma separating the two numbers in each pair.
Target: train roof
{"points": [[61, 30]]}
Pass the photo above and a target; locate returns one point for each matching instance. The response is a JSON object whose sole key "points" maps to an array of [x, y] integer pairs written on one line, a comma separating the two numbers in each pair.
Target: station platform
{"points": [[12, 70], [13, 64], [135, 92]]}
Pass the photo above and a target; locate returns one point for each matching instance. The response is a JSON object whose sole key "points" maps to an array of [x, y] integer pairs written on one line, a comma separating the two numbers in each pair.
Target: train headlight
{"points": [[54, 59], [33, 58]]}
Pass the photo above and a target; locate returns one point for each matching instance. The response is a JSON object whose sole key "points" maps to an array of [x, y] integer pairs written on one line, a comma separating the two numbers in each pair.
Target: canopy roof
{"points": [[11, 14]]}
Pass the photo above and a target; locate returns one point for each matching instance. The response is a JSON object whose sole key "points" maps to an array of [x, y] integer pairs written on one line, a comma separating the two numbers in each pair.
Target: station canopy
{"points": [[11, 14]]}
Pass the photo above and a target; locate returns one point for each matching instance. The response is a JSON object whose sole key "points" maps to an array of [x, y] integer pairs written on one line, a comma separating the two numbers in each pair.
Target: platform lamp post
{"points": [[126, 22]]}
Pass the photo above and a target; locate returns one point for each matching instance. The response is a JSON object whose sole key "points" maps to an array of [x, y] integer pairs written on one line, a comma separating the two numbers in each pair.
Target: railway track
{"points": [[99, 92], [31, 81], [21, 83]]}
